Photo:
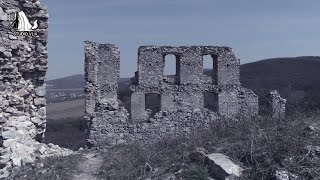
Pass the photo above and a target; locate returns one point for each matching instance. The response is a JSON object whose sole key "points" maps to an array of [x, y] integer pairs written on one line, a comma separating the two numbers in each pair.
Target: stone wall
{"points": [[102, 73], [160, 104], [23, 62], [111, 124], [23, 65], [188, 86]]}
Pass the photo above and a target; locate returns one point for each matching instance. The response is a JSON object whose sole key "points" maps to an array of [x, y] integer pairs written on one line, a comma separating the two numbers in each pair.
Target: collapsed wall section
{"points": [[112, 123], [235, 101]]}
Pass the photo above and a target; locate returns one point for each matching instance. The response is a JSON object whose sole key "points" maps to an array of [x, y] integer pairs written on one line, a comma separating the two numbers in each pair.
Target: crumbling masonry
{"points": [[188, 86], [23, 65], [162, 105], [276, 105]]}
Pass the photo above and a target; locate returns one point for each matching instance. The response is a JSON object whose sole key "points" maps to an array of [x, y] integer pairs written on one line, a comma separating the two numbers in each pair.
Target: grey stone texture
{"points": [[102, 73], [222, 167], [111, 125], [188, 86], [162, 105], [276, 105], [23, 65]]}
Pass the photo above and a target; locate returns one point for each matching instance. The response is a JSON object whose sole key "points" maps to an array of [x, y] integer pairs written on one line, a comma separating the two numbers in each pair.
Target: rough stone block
{"points": [[138, 103], [221, 167]]}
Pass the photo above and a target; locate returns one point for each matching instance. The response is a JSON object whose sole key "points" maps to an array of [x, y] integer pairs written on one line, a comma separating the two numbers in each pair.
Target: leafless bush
{"points": [[262, 145]]}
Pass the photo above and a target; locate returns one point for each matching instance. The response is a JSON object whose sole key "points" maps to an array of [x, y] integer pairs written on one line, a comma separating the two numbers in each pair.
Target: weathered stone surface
{"points": [[162, 105], [221, 167], [7, 54], [41, 91], [42, 111], [23, 93], [276, 105], [8, 134], [188, 86], [23, 63], [2, 49], [107, 128], [39, 101], [2, 87]]}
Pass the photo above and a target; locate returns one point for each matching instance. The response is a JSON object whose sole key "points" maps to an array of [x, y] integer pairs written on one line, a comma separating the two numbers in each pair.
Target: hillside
{"points": [[296, 78], [298, 73], [69, 82], [73, 82]]}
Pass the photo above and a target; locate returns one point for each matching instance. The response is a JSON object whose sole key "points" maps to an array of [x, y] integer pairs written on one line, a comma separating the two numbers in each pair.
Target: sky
{"points": [[254, 29]]}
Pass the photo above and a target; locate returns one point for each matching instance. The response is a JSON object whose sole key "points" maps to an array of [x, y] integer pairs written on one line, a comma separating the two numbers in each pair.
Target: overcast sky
{"points": [[254, 29]]}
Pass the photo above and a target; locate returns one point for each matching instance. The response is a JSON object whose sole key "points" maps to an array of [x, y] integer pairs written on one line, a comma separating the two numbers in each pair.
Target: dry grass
{"points": [[66, 109], [261, 145], [67, 133]]}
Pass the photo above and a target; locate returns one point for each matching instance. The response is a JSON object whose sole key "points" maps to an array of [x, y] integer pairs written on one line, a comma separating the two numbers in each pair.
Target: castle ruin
{"points": [[181, 104], [188, 86], [162, 105]]}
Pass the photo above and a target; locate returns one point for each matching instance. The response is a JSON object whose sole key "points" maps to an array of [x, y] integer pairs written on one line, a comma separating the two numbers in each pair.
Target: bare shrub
{"points": [[260, 144]]}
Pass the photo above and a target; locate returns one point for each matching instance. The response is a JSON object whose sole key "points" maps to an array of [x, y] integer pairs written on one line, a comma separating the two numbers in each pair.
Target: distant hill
{"points": [[73, 82], [296, 78], [69, 82], [297, 73]]}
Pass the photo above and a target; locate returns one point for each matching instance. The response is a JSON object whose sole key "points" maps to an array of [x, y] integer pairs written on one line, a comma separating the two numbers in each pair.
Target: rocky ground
{"points": [[255, 148], [89, 167]]}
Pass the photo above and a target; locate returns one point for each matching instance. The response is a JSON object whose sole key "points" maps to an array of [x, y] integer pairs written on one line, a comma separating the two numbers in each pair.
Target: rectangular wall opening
{"points": [[211, 101], [153, 102], [209, 67], [171, 70]]}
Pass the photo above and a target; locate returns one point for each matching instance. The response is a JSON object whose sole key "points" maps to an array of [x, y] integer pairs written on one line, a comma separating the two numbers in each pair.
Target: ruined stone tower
{"points": [[102, 73]]}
